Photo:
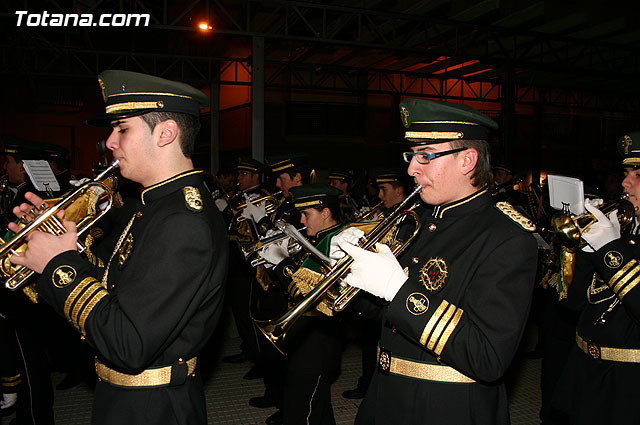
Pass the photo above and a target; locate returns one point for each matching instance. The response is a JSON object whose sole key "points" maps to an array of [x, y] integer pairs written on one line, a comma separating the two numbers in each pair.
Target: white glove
{"points": [[8, 400], [602, 231], [351, 236], [222, 204], [78, 183], [253, 211], [276, 252], [378, 273], [594, 202]]}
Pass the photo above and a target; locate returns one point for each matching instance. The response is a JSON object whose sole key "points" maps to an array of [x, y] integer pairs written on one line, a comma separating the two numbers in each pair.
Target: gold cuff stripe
{"points": [[625, 278], [448, 135], [629, 287], [147, 378], [11, 384], [448, 331], [87, 310], [130, 106], [74, 294], [86, 295], [621, 273], [432, 321], [440, 326], [9, 378]]}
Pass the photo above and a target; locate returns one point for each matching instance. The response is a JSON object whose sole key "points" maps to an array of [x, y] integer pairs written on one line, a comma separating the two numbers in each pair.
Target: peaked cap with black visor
{"points": [[129, 94], [428, 122]]}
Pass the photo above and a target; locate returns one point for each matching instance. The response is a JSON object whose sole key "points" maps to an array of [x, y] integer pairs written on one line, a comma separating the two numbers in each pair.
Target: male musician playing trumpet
{"points": [[600, 380], [392, 186], [153, 305], [459, 301]]}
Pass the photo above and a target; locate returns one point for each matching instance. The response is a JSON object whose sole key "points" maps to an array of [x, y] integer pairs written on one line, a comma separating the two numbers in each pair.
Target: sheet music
{"points": [[41, 175], [566, 191]]}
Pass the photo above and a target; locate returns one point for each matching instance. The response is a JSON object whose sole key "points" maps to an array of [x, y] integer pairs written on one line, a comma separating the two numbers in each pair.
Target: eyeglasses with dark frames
{"points": [[426, 157]]}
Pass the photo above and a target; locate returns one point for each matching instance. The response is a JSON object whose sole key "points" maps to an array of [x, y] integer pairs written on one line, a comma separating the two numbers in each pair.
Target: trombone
{"points": [[276, 330], [16, 276]]}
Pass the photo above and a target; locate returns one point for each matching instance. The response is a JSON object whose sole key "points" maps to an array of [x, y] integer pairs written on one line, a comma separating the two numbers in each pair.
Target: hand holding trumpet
{"points": [[41, 246]]}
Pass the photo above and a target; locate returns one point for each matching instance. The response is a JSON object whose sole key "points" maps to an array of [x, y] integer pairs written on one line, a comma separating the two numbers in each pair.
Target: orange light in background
{"points": [[204, 26], [458, 66]]}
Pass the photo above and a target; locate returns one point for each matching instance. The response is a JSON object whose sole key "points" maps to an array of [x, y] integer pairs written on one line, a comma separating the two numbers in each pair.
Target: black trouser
{"points": [[239, 296], [313, 364], [35, 394]]}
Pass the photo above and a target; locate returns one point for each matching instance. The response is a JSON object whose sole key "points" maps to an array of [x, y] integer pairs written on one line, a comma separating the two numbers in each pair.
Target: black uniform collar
{"points": [[170, 185], [464, 206], [324, 232]]}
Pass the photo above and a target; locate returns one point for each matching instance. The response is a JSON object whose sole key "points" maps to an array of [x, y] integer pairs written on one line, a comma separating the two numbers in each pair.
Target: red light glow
{"points": [[204, 26]]}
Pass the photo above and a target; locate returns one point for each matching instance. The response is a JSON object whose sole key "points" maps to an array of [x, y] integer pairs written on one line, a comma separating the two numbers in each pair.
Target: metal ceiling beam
{"points": [[377, 29]]}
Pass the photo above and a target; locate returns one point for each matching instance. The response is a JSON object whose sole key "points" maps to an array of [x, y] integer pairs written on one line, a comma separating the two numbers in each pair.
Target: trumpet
{"points": [[331, 289], [100, 199], [568, 230], [270, 202], [251, 248], [375, 212]]}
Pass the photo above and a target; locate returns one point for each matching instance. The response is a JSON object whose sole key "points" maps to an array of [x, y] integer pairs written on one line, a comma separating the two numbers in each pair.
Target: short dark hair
{"points": [[482, 175], [304, 173], [189, 126]]}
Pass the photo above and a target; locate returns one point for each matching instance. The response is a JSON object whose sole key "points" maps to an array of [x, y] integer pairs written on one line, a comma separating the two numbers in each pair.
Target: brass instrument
{"points": [[270, 202], [46, 220], [508, 184], [250, 248], [376, 212], [331, 289], [568, 230]]}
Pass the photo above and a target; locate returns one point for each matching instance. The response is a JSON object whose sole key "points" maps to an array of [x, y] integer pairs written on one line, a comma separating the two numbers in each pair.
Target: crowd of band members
{"points": [[580, 384]]}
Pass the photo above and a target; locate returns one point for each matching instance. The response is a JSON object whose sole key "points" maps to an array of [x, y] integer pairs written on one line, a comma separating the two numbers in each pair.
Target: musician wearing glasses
{"points": [[600, 380], [151, 307], [459, 298]]}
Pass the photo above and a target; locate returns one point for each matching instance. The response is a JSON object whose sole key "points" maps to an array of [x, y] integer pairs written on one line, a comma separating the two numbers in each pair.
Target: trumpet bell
{"points": [[85, 206], [568, 229]]}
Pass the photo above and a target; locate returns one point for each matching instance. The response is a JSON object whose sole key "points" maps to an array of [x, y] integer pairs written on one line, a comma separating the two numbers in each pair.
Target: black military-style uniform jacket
{"points": [[155, 303], [464, 307], [600, 381]]}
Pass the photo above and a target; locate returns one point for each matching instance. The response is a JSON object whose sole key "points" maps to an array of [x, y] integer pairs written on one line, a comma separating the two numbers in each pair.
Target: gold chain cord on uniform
{"points": [[122, 236]]}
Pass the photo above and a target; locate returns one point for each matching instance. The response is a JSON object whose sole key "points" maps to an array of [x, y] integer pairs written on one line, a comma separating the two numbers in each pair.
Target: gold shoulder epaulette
{"points": [[192, 198], [516, 216]]}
